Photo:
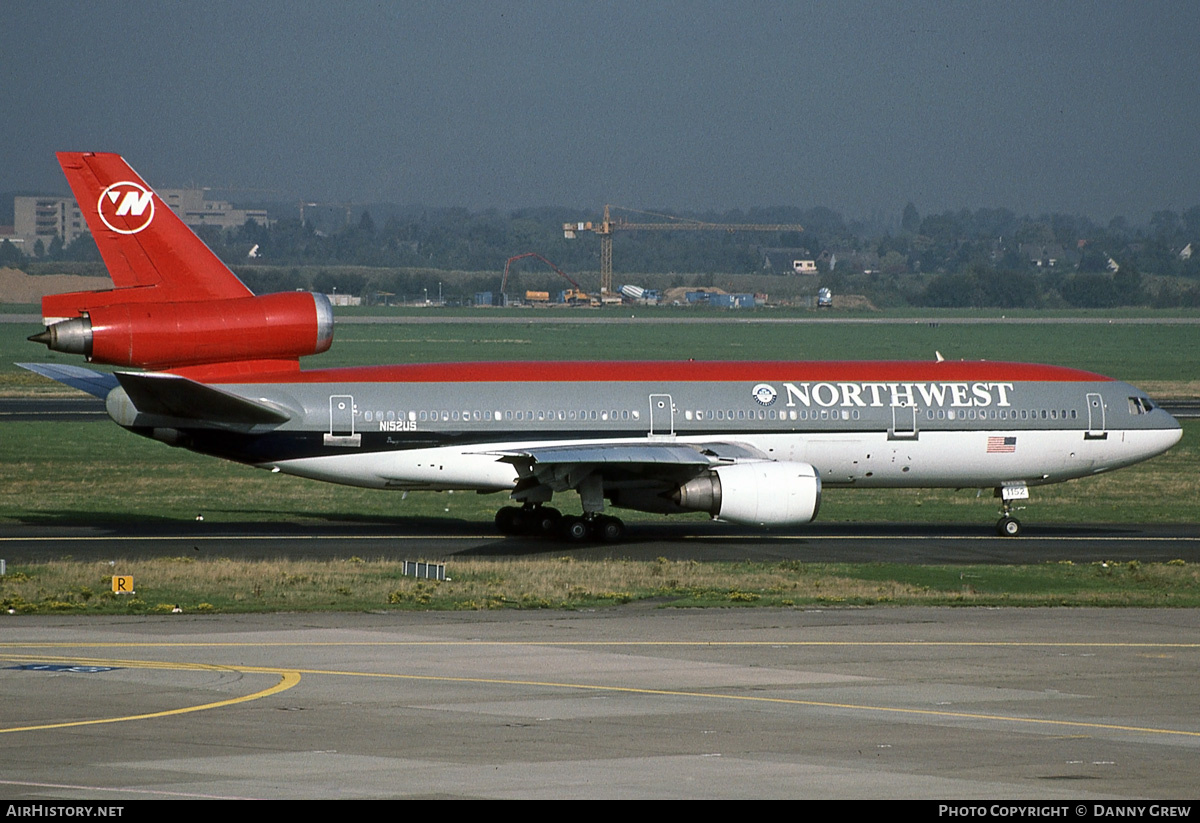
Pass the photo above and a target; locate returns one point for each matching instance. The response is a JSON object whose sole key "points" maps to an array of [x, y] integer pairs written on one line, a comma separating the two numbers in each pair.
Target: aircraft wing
{"points": [[97, 384], [698, 455], [650, 454], [642, 465]]}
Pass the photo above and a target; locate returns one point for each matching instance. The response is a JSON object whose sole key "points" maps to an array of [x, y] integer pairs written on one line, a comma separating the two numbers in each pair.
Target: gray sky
{"points": [[1091, 108]]}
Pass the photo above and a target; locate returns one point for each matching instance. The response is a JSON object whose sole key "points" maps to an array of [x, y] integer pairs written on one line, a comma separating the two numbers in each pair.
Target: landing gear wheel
{"points": [[545, 520], [575, 529], [1008, 527], [506, 520], [610, 529]]}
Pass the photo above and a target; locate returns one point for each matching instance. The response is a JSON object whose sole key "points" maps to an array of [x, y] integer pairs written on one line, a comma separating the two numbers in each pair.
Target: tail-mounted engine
{"points": [[154, 335]]}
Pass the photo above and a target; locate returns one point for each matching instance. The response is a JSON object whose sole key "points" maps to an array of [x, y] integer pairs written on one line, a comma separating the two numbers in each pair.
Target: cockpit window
{"points": [[1140, 405]]}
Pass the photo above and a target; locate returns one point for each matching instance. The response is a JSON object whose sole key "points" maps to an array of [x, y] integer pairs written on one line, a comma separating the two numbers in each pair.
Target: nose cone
{"points": [[1176, 429], [1168, 433]]}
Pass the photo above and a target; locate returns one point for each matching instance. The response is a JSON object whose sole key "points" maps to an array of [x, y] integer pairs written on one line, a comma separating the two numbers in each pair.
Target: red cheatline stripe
{"points": [[686, 371]]}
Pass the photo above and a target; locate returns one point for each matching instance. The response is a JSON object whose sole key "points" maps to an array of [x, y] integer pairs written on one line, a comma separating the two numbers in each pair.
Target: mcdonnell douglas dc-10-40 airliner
{"points": [[747, 442]]}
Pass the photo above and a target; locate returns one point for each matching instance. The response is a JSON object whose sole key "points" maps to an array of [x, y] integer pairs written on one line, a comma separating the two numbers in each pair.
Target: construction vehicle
{"points": [[575, 297]]}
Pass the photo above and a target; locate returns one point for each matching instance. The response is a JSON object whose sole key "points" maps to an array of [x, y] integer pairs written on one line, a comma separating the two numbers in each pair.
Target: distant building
{"points": [[44, 218], [787, 260], [1042, 255], [191, 205]]}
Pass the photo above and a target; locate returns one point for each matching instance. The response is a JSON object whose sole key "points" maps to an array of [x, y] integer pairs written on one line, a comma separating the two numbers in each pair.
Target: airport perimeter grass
{"points": [[229, 586]]}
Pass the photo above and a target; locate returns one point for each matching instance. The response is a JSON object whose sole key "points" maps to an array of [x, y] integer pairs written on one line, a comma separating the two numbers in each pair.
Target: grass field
{"points": [[225, 585]]}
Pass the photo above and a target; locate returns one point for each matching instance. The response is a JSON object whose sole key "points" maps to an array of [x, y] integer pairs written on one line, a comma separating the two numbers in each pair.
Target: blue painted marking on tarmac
{"points": [[62, 667]]}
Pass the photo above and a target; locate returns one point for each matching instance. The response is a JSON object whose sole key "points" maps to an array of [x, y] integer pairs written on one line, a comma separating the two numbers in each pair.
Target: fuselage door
{"points": [[341, 422], [904, 423], [1095, 411], [662, 415]]}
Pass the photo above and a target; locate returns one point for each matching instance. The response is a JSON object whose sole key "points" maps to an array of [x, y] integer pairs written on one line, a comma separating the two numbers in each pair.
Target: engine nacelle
{"points": [[756, 494], [166, 335]]}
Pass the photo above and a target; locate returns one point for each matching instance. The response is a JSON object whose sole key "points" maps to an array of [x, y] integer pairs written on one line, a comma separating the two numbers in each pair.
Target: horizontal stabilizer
{"points": [[97, 384], [170, 395]]}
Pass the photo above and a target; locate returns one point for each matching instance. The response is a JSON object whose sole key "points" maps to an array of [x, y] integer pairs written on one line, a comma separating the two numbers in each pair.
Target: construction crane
{"points": [[576, 295], [609, 224]]}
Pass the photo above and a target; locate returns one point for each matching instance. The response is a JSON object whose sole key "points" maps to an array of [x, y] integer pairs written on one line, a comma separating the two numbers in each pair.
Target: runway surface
{"points": [[629, 702], [692, 540]]}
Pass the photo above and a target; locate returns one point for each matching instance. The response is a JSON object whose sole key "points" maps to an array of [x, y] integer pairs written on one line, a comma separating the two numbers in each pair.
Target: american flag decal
{"points": [[1001, 445]]}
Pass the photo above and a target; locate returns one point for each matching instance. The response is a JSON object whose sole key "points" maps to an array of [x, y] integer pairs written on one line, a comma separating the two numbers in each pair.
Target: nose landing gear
{"points": [[1007, 525]]}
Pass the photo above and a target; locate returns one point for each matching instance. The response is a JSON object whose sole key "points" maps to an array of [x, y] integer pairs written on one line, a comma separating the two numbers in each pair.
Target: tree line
{"points": [[963, 258]]}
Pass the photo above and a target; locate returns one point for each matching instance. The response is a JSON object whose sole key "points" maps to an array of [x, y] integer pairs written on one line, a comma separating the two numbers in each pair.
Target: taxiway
{"points": [[629, 702]]}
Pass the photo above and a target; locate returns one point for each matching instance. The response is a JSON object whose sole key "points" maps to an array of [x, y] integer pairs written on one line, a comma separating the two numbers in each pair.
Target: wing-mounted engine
{"points": [[756, 494], [153, 335]]}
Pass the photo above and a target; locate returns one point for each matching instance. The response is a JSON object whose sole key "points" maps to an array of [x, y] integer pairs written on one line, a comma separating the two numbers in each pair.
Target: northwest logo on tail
{"points": [[126, 207]]}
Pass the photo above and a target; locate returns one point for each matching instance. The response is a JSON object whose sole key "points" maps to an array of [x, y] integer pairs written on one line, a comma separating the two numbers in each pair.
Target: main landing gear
{"points": [[536, 520], [529, 519]]}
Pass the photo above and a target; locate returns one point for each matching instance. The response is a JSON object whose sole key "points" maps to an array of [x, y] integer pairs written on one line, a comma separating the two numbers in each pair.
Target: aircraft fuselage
{"points": [[956, 424]]}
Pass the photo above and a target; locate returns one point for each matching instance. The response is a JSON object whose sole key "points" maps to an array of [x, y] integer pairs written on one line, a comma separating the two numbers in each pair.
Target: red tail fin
{"points": [[175, 305], [144, 244]]}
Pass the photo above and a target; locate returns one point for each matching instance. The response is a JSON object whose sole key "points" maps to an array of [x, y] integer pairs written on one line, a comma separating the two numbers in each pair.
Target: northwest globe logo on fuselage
{"points": [[126, 207], [764, 394]]}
